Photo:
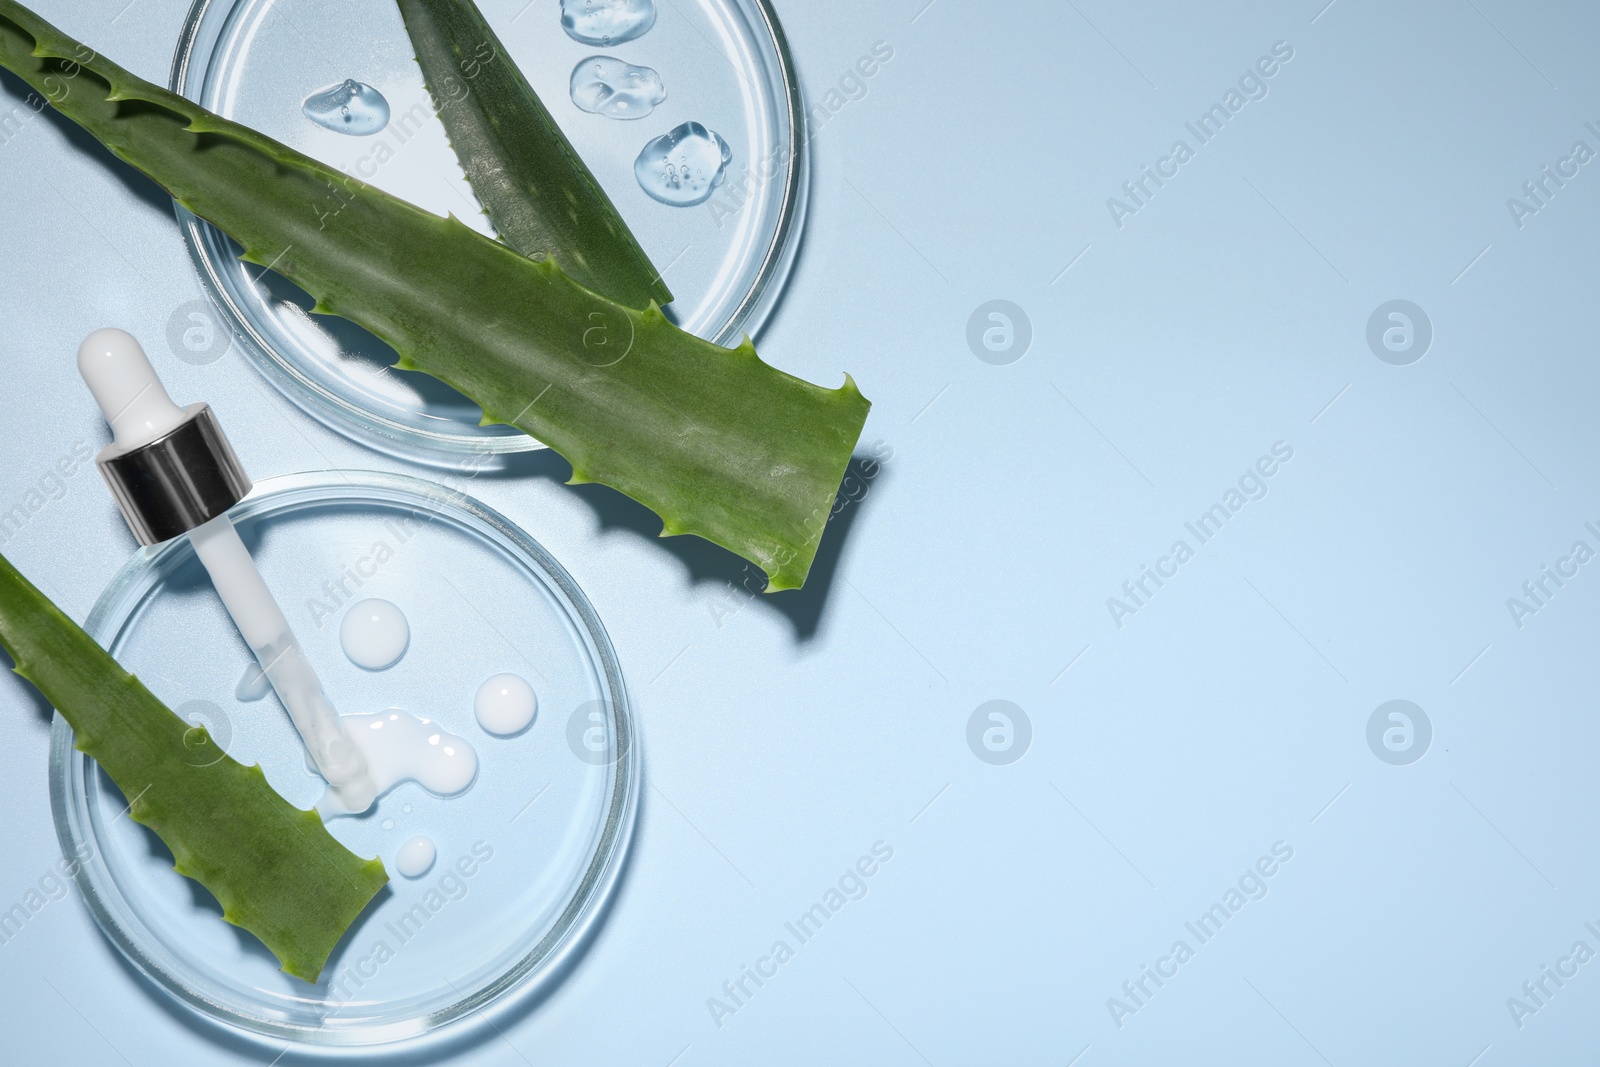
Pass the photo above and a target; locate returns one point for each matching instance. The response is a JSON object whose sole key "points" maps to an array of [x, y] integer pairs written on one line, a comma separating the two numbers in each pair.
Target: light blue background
{"points": [[1228, 714]]}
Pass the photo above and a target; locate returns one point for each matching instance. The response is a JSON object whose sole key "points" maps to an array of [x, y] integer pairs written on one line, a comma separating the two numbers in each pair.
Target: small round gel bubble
{"points": [[374, 634], [504, 704], [415, 857]]}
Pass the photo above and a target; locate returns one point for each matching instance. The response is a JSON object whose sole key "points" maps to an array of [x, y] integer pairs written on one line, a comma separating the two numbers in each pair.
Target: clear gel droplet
{"points": [[607, 22], [350, 107], [602, 85], [685, 166]]}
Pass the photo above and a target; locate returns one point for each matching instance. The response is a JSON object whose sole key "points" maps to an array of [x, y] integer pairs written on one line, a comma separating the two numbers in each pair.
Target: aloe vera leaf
{"points": [[275, 869], [715, 441], [537, 191]]}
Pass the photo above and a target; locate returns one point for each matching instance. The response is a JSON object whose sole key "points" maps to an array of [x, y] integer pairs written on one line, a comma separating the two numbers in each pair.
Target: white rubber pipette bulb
{"points": [[125, 386], [136, 405]]}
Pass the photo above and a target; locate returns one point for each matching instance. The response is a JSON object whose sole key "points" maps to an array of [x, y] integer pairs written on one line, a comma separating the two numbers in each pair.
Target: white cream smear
{"points": [[374, 634], [415, 857], [399, 746], [504, 704]]}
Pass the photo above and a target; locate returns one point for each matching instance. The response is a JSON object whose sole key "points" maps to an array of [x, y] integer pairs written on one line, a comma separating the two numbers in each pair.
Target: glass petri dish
{"points": [[724, 64], [526, 857]]}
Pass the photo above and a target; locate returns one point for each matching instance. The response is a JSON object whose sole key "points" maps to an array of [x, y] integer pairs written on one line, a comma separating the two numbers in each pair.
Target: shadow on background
{"points": [[706, 563], [803, 608], [18, 94], [733, 580]]}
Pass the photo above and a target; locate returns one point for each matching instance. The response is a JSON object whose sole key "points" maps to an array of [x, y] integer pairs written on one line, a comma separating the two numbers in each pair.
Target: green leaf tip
{"points": [[274, 868], [714, 442], [532, 183]]}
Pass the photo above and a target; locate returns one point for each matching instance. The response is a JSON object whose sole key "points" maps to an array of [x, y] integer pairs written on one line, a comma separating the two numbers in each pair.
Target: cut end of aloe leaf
{"points": [[714, 441], [274, 869]]}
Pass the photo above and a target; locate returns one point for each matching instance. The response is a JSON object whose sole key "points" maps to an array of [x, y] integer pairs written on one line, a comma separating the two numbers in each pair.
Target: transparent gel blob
{"points": [[350, 107], [399, 746], [607, 22], [504, 704], [374, 634], [684, 166], [602, 85], [415, 857]]}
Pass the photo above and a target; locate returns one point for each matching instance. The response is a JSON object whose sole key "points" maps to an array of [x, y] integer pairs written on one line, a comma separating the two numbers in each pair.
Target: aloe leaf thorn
{"points": [[274, 868], [715, 441], [532, 183]]}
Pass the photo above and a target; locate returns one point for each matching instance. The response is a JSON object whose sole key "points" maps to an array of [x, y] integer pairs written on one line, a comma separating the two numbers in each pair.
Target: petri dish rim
{"points": [[535, 971], [210, 251]]}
